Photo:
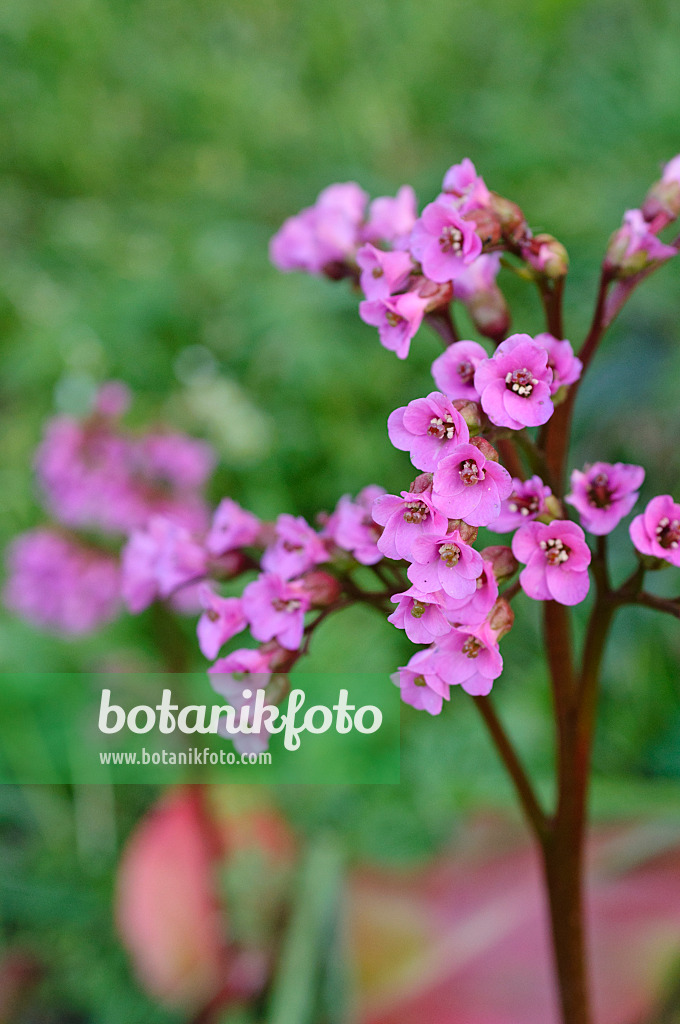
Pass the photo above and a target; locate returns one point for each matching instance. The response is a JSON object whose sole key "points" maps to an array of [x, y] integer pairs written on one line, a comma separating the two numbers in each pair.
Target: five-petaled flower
{"points": [[556, 557]]}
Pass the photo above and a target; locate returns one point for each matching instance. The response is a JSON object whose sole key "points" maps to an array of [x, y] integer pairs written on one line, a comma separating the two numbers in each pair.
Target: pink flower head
{"points": [[464, 184], [634, 246], [421, 684], [222, 619], [397, 318], [404, 519], [420, 615], [159, 559], [232, 527], [390, 219], [353, 528], [657, 531], [443, 242], [454, 369], [469, 486], [480, 276], [57, 583], [382, 273], [175, 460], [323, 234], [566, 367], [296, 549], [427, 428], [603, 494], [275, 609], [445, 563], [469, 657], [514, 385], [556, 558], [472, 610], [524, 504]]}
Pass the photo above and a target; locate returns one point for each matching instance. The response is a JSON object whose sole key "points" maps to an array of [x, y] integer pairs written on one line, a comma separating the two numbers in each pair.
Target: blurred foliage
{"points": [[149, 152]]}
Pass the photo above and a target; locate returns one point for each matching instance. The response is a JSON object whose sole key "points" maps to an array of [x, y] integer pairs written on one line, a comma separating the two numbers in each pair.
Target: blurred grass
{"points": [[149, 152]]}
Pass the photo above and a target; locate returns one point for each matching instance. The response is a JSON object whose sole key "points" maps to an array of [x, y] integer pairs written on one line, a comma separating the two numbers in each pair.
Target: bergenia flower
{"points": [[397, 318], [566, 367], [391, 219], [321, 235], [404, 519], [382, 273], [634, 246], [514, 385], [469, 657], [525, 503], [421, 684], [445, 563], [472, 610], [454, 369], [464, 184], [222, 619], [297, 547], [420, 615], [443, 242], [159, 559], [352, 527], [232, 528], [427, 428], [657, 531], [603, 494], [275, 610], [467, 485], [556, 557]]}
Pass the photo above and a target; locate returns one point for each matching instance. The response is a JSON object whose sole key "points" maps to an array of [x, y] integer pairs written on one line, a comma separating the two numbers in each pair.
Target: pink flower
{"points": [[462, 182], [404, 519], [232, 527], [447, 563], [397, 318], [556, 558], [454, 369], [525, 503], [242, 669], [603, 494], [469, 486], [296, 549], [353, 528], [391, 219], [222, 619], [443, 242], [159, 559], [420, 615], [321, 235], [671, 172], [634, 246], [469, 657], [427, 428], [57, 583], [275, 609], [657, 531], [480, 276], [514, 385], [566, 367], [382, 273], [473, 610], [421, 684]]}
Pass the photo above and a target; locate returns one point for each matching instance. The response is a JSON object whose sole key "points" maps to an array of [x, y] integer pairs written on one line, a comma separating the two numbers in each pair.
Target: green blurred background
{"points": [[149, 151]]}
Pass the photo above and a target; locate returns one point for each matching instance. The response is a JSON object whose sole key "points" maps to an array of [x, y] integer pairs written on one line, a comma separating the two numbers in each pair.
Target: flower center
{"points": [[418, 609], [377, 272], [419, 681], [599, 495], [521, 382], [466, 372], [556, 552], [451, 240], [443, 428], [416, 512], [668, 533], [528, 506], [393, 319], [212, 615], [470, 473], [449, 554], [472, 647], [291, 605], [288, 545]]}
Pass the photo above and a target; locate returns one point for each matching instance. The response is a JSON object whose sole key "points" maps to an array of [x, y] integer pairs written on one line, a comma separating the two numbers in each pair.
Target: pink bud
{"points": [[501, 618], [485, 447], [546, 255], [504, 562], [323, 589], [421, 483], [489, 312], [470, 411], [468, 534], [511, 218]]}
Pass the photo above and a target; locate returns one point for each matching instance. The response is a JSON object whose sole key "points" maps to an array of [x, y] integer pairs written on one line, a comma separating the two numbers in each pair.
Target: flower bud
{"points": [[280, 659], [487, 225], [501, 618], [502, 559], [471, 413], [322, 588], [485, 447], [489, 313], [546, 255], [513, 223], [662, 204], [421, 483], [277, 689], [552, 509], [436, 294], [468, 534], [229, 565]]}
